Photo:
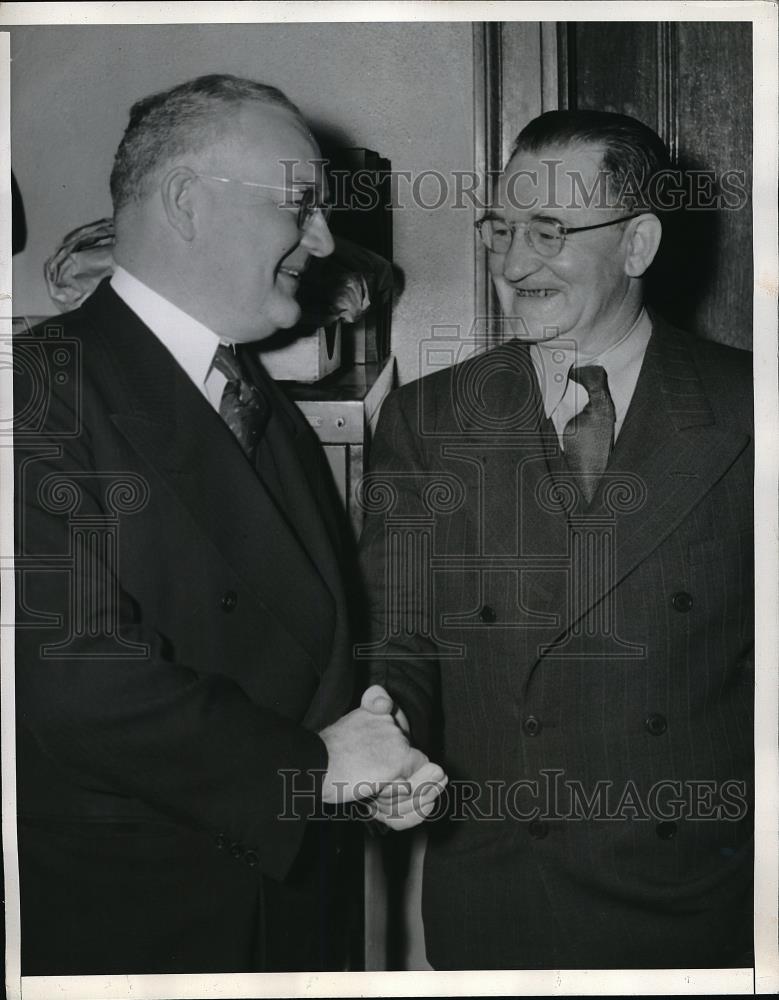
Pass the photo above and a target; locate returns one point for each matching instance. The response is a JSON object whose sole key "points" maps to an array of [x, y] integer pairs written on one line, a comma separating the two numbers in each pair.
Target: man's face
{"points": [[249, 249], [582, 294]]}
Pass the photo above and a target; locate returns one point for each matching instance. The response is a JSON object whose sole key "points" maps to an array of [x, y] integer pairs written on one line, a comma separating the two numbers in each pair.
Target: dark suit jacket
{"points": [[182, 636], [591, 669]]}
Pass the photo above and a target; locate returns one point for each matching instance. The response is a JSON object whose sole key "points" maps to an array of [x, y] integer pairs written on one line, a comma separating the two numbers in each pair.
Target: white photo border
{"points": [[764, 978]]}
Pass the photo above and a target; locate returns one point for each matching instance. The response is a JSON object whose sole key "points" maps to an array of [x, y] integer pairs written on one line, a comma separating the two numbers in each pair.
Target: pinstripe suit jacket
{"points": [[584, 675]]}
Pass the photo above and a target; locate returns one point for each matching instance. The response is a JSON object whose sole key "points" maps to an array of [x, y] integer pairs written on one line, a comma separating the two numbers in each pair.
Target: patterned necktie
{"points": [[243, 407], [589, 436]]}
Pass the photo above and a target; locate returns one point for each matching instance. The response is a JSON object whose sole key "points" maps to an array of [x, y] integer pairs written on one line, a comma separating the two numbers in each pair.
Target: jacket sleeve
{"points": [[402, 653]]}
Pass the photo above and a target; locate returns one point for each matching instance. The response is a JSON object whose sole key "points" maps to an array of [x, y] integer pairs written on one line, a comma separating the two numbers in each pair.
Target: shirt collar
{"points": [[621, 360], [192, 344]]}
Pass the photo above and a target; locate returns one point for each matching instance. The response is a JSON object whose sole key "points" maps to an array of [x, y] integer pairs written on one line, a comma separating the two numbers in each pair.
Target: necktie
{"points": [[243, 407], [589, 436]]}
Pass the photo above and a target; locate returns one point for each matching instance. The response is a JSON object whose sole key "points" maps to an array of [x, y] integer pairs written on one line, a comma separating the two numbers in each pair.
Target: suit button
{"points": [[656, 724], [251, 858], [682, 601], [228, 601], [666, 831], [532, 725], [236, 851], [538, 829], [221, 841], [488, 614]]}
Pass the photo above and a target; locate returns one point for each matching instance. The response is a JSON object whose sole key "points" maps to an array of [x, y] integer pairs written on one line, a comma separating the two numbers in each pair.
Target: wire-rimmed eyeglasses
{"points": [[545, 236], [305, 199]]}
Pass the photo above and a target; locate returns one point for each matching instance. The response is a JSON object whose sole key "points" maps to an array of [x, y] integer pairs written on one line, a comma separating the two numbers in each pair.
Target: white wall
{"points": [[404, 90]]}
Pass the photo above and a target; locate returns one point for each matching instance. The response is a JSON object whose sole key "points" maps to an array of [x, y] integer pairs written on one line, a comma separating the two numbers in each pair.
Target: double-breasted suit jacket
{"points": [[584, 674], [182, 636]]}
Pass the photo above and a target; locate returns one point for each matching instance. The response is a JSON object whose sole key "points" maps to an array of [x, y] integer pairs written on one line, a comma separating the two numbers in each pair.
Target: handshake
{"points": [[371, 759]]}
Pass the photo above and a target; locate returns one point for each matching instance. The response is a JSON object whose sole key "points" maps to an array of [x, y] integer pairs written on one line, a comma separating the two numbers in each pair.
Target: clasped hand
{"points": [[370, 759]]}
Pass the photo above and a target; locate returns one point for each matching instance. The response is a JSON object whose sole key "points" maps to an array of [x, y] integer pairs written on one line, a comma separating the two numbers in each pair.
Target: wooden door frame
{"points": [[521, 59]]}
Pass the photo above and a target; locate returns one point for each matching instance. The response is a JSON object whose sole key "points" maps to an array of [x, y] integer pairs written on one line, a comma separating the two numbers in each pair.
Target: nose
{"points": [[317, 238], [522, 258]]}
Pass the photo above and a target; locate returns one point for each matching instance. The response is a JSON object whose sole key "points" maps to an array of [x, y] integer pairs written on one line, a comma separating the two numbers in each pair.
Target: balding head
{"points": [[184, 120]]}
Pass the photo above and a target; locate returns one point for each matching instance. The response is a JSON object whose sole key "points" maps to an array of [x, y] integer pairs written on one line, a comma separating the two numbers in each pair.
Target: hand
{"points": [[401, 805], [366, 750], [375, 699]]}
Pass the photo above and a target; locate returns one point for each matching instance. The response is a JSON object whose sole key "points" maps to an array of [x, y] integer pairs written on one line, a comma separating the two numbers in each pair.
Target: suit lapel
{"points": [[172, 427], [667, 458], [311, 508], [309, 502], [517, 510]]}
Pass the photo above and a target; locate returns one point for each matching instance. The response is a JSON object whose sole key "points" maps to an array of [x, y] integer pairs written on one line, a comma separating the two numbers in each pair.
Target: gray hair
{"points": [[184, 119]]}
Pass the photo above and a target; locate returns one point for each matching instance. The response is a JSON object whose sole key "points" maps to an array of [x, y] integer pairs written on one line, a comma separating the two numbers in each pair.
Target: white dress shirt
{"points": [[563, 398], [192, 345]]}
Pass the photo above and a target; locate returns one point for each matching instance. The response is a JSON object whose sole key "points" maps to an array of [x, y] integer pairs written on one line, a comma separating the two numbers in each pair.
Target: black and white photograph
{"points": [[389, 499]]}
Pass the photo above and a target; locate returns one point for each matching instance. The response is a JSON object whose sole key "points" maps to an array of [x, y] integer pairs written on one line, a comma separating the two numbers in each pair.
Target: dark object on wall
{"points": [[18, 220], [361, 191], [340, 296]]}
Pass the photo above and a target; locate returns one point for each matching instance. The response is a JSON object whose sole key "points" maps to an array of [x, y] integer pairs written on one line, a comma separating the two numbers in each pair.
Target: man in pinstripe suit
{"points": [[574, 509]]}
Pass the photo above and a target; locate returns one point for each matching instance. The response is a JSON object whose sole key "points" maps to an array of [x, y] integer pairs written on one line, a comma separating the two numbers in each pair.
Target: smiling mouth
{"points": [[534, 293], [291, 272]]}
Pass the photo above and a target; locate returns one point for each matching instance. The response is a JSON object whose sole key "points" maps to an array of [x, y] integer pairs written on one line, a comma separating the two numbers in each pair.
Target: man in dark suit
{"points": [[560, 547], [183, 654]]}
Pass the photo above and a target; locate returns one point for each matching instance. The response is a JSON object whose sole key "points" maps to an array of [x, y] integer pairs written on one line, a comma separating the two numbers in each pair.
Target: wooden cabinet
{"points": [[343, 410]]}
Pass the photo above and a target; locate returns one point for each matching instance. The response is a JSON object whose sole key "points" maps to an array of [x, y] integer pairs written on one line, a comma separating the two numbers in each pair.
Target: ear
{"points": [[177, 199], [643, 235]]}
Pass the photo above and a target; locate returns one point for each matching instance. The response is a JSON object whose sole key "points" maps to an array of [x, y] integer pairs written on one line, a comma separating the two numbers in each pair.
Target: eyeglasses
{"points": [[544, 236], [307, 205]]}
